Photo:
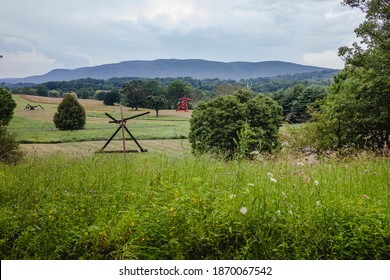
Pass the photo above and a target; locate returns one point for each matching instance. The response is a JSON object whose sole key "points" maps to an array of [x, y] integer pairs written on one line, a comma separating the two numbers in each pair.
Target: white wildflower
{"points": [[316, 182], [286, 143], [243, 210], [232, 196]]}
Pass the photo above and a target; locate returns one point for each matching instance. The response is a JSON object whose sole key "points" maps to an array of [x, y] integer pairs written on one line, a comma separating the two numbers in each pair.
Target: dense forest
{"points": [[288, 90]]}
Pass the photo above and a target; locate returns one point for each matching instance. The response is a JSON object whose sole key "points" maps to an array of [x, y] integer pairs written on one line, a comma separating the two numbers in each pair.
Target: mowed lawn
{"points": [[37, 133]]}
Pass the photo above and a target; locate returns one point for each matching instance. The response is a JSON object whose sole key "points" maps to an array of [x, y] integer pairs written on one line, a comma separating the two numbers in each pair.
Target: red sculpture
{"points": [[183, 105]]}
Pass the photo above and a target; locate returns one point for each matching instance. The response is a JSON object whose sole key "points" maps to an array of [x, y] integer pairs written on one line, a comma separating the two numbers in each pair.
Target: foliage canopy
{"points": [[7, 106], [112, 97], [133, 94], [357, 111], [9, 148], [239, 123]]}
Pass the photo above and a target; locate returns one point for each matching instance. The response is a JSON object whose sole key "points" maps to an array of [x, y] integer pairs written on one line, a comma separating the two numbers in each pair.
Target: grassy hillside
{"points": [[36, 126], [170, 204], [156, 206]]}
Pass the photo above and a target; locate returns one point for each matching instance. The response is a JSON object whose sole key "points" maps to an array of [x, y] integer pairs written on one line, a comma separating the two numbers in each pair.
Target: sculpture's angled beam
{"points": [[139, 146], [136, 116], [105, 145], [111, 117]]}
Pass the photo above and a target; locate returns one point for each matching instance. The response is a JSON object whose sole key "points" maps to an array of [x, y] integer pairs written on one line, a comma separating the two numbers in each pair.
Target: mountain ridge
{"points": [[173, 68]]}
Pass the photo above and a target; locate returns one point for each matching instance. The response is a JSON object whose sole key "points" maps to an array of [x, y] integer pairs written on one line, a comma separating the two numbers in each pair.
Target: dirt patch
{"points": [[53, 100], [89, 148]]}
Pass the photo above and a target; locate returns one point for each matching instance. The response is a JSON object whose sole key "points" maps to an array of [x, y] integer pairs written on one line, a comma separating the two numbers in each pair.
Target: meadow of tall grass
{"points": [[160, 206]]}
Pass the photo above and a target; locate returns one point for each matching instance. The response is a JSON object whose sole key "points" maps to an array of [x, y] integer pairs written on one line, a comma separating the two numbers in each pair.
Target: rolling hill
{"points": [[173, 68]]}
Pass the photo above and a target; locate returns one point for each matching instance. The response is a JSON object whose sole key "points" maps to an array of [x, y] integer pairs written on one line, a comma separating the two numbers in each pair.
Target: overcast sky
{"points": [[37, 36]]}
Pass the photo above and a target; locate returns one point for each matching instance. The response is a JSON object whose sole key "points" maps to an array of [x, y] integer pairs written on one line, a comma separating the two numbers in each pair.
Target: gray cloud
{"points": [[70, 33]]}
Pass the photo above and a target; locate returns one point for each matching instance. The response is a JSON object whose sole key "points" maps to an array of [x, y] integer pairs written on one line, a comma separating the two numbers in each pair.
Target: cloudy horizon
{"points": [[38, 36]]}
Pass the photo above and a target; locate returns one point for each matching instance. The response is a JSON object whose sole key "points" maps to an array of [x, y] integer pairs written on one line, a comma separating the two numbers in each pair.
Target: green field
{"points": [[63, 201], [37, 126]]}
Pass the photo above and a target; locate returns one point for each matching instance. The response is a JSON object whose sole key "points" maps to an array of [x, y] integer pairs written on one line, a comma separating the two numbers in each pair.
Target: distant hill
{"points": [[174, 68]]}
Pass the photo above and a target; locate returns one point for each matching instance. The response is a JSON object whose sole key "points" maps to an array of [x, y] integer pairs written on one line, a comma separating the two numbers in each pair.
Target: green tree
{"points": [[225, 89], [133, 94], [7, 106], [153, 87], [156, 102], [54, 93], [42, 90], [9, 148], [112, 97], [357, 110], [86, 93], [307, 100], [287, 97], [100, 94], [223, 123], [70, 114], [177, 89]]}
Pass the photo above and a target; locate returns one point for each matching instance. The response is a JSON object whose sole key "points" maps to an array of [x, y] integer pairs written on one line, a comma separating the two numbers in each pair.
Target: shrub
{"points": [[7, 106], [70, 114], [222, 124], [9, 148]]}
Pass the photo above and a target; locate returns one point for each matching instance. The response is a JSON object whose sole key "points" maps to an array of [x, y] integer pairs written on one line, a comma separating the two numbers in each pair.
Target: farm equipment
{"points": [[32, 107], [122, 126]]}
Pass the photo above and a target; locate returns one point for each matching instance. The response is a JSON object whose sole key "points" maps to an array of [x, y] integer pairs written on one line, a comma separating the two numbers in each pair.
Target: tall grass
{"points": [[156, 206]]}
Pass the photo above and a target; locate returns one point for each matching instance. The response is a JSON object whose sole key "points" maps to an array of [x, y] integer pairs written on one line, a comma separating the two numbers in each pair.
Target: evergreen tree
{"points": [[307, 100], [70, 114]]}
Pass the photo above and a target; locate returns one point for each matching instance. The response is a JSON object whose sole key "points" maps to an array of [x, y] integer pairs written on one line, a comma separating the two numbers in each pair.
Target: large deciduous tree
{"points": [[112, 97], [357, 111], [133, 94], [176, 90], [239, 123], [156, 102]]}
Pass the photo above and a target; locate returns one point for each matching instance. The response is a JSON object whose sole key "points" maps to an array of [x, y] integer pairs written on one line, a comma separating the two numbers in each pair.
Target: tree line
{"points": [[163, 93], [352, 114], [96, 88]]}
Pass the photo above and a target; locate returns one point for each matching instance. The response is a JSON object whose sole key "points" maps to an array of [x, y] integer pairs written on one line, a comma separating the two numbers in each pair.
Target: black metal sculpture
{"points": [[32, 107], [122, 125]]}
